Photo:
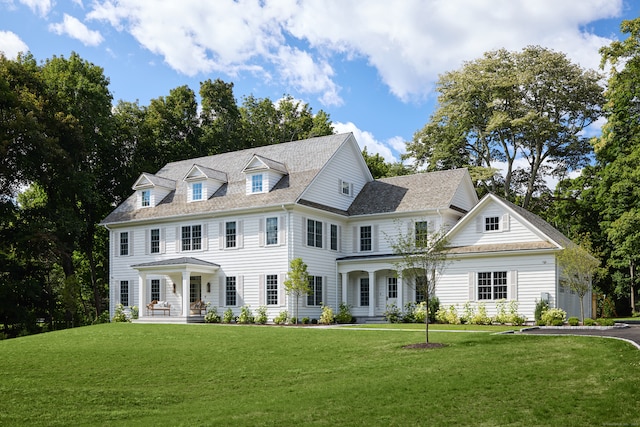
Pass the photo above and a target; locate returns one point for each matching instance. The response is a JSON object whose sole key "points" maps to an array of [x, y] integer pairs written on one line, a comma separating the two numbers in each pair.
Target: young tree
{"points": [[297, 282], [422, 258], [532, 104], [578, 267]]}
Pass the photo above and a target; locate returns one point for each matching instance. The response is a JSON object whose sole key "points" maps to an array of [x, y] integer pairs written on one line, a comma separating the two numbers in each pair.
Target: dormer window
{"points": [[196, 191], [345, 188], [256, 183], [145, 198]]}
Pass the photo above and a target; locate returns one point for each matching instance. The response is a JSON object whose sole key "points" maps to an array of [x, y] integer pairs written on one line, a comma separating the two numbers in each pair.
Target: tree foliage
{"points": [[297, 281], [532, 104], [579, 267]]}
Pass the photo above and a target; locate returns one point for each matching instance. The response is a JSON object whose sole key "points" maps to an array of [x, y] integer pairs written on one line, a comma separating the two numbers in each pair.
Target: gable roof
{"points": [[550, 237], [409, 193], [259, 163], [148, 180], [303, 161], [199, 172]]}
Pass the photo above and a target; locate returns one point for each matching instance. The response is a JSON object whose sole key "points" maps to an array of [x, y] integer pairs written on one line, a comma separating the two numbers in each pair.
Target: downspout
{"points": [[289, 246]]}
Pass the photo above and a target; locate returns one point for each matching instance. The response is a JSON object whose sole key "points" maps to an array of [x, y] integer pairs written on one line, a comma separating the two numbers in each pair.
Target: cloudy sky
{"points": [[370, 64]]}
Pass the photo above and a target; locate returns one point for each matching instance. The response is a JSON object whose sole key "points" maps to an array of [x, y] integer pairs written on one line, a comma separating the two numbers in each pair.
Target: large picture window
{"points": [[492, 285], [314, 233], [315, 296], [191, 238]]}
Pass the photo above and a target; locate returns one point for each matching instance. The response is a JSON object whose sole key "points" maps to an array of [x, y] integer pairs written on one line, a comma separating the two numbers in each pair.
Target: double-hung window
{"points": [[155, 289], [272, 289], [314, 233], [256, 183], [124, 243], [421, 288], [492, 285], [365, 238], [231, 296], [272, 231], [392, 287], [124, 292], [422, 233], [334, 237], [191, 237], [315, 296], [231, 233], [196, 191], [364, 292], [145, 196], [154, 238]]}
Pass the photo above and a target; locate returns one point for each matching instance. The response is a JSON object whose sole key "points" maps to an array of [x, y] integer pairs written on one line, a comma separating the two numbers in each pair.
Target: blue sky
{"points": [[370, 64]]}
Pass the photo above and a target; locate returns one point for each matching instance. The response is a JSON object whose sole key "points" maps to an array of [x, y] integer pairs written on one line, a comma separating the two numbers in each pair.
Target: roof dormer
{"points": [[263, 174], [203, 182], [151, 189]]}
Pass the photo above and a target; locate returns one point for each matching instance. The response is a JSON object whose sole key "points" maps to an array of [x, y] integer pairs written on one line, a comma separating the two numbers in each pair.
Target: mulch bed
{"points": [[425, 345]]}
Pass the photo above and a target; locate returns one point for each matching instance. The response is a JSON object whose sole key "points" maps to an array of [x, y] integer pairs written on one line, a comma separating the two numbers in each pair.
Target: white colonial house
{"points": [[222, 230]]}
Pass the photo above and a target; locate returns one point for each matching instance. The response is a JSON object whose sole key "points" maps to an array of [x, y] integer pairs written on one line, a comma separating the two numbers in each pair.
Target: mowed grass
{"points": [[135, 374]]}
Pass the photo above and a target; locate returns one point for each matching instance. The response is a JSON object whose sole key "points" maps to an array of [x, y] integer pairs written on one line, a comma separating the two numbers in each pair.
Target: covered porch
{"points": [[175, 290], [370, 284]]}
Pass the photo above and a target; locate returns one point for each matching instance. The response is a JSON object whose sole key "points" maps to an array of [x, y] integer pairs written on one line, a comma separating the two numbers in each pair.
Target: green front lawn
{"points": [[134, 374]]}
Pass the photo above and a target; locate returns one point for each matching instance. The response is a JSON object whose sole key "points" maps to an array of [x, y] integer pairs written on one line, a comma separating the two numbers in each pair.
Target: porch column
{"points": [[400, 302], [185, 293], [372, 293], [345, 282], [142, 295]]}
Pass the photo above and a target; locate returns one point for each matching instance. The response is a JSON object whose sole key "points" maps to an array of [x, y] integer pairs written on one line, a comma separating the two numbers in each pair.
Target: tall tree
{"points": [[532, 104], [220, 117], [618, 156]]}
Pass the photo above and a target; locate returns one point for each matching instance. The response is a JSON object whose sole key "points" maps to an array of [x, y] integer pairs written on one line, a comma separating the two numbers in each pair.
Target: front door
{"points": [[392, 291]]}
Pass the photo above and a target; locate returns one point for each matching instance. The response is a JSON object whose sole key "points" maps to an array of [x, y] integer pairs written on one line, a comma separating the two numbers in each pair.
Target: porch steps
{"points": [[372, 320]]}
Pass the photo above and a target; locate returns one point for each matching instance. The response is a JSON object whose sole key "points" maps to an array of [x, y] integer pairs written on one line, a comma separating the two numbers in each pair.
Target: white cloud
{"points": [[41, 7], [75, 29], [366, 139], [409, 43], [11, 44]]}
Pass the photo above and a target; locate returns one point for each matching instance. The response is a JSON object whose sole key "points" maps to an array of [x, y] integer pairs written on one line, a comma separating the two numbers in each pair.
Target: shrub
{"points": [[227, 316], [541, 307], [501, 316], [481, 317], [606, 322], [261, 316], [327, 317], [246, 316], [212, 316], [293, 320], [344, 313], [573, 321], [120, 315], [589, 322], [305, 320], [420, 312], [102, 318], [314, 321], [135, 312], [448, 315], [514, 317], [468, 311], [393, 314], [281, 319], [554, 317], [434, 306], [409, 309]]}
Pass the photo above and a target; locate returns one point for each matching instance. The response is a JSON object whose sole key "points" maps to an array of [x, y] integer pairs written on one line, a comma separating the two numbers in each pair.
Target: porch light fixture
{"points": [[208, 287]]}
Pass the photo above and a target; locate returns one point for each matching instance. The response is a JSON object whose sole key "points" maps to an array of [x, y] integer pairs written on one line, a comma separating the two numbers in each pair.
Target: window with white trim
{"points": [[256, 183], [196, 191], [345, 188], [421, 286], [364, 292], [492, 285], [124, 243], [231, 294], [366, 238], [422, 233], [272, 289], [154, 241], [492, 223], [191, 237], [314, 298], [230, 234], [271, 224], [155, 289], [124, 293], [314, 233], [145, 198], [392, 287]]}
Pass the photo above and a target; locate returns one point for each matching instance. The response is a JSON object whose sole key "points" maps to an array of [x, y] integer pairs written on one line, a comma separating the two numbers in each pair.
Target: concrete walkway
{"points": [[629, 333]]}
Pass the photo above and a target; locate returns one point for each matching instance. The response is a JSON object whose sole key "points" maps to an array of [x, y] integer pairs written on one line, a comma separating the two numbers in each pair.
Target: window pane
{"points": [[196, 237], [365, 238], [196, 191], [146, 198], [155, 241], [124, 292], [392, 287], [230, 291], [272, 231], [272, 289], [124, 243], [500, 285], [230, 234], [364, 292], [492, 223], [155, 289], [318, 234], [484, 285], [256, 183], [422, 233], [186, 238], [334, 237]]}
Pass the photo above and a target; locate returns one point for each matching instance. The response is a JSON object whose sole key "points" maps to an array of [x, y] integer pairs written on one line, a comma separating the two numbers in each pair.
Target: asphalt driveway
{"points": [[629, 333]]}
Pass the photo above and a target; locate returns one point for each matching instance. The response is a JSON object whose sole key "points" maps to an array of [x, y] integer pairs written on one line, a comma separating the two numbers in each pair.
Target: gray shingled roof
{"points": [[303, 160], [425, 191], [158, 181]]}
